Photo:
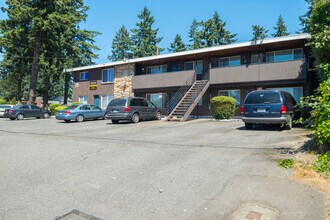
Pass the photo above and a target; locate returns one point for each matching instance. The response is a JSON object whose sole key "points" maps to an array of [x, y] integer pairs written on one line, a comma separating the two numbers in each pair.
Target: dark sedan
{"points": [[20, 112]]}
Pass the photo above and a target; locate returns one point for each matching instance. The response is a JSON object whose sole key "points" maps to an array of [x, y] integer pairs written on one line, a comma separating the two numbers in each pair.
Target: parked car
{"points": [[133, 109], [20, 112], [269, 107], [3, 108], [80, 113]]}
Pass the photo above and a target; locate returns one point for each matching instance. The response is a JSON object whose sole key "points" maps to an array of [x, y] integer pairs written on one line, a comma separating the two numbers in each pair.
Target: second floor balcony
{"points": [[288, 70]]}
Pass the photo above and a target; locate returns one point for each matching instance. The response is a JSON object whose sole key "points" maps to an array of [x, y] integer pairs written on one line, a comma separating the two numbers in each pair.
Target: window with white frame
{"points": [[157, 69], [83, 76], [236, 94], [230, 61], [105, 99], [194, 65], [284, 55], [108, 75], [83, 99], [158, 99]]}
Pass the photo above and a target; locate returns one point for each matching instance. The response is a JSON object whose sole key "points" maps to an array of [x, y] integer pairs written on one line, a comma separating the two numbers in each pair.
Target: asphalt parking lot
{"points": [[200, 169]]}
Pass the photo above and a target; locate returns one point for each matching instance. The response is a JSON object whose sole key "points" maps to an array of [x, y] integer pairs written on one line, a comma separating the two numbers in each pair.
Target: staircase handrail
{"points": [[172, 103]]}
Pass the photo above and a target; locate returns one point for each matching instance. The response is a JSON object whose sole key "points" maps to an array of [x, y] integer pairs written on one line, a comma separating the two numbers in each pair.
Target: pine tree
{"points": [[52, 40], [280, 29], [121, 45], [259, 33], [215, 32], [177, 45], [145, 38], [196, 33]]}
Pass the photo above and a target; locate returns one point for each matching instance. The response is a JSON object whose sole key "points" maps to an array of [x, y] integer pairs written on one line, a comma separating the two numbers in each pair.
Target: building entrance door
{"points": [[97, 100]]}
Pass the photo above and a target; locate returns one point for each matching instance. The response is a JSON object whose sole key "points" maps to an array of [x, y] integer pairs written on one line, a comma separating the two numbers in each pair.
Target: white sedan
{"points": [[3, 108]]}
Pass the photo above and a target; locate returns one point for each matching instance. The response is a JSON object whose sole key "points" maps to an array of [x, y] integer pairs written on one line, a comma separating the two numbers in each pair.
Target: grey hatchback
{"points": [[133, 109], [269, 107]]}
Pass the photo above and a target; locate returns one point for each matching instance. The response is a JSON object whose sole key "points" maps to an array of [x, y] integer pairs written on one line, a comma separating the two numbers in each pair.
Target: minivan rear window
{"points": [[118, 102], [263, 98]]}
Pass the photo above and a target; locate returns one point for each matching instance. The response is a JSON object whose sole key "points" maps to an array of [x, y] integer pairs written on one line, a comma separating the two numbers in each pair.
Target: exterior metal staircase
{"points": [[185, 100]]}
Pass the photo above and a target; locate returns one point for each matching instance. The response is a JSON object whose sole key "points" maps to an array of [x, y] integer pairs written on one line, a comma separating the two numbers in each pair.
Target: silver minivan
{"points": [[133, 109]]}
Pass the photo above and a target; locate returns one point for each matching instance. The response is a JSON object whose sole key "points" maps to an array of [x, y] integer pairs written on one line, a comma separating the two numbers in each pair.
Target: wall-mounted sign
{"points": [[93, 85], [76, 85]]}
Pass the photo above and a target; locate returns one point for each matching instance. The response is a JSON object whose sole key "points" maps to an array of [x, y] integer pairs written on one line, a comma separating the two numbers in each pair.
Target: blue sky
{"points": [[175, 16]]}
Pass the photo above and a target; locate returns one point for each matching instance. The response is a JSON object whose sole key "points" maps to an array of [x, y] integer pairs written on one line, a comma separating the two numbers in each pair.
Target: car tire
{"points": [[135, 118], [248, 126], [158, 116], [114, 121], [104, 117], [20, 117], [67, 120], [80, 118], [289, 123], [46, 115], [12, 119]]}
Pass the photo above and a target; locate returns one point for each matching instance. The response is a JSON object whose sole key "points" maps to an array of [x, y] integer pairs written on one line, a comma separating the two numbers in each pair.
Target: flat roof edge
{"points": [[190, 52]]}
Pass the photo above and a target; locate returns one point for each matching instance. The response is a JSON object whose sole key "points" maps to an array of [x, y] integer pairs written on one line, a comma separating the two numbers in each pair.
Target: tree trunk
{"points": [[66, 88], [19, 88], [35, 69], [46, 91]]}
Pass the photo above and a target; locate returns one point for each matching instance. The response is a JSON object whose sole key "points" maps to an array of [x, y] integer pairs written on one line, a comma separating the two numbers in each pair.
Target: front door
{"points": [[97, 100]]}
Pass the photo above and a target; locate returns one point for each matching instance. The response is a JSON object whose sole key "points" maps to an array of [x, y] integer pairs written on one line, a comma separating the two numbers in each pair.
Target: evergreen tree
{"points": [[177, 45], [121, 45], [280, 29], [52, 39], [215, 32], [304, 19], [144, 37], [259, 33], [196, 33]]}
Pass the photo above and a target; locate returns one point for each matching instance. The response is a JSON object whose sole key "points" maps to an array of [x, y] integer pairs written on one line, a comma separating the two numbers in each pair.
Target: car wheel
{"points": [[115, 121], [67, 120], [104, 117], [158, 116], [248, 126], [37, 117], [20, 117], [46, 115], [80, 118], [12, 119], [289, 123], [135, 118]]}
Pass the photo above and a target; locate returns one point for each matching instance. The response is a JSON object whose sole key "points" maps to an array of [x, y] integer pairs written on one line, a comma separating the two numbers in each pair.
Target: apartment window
{"points": [[83, 76], [194, 65], [156, 69], [284, 55], [230, 61], [296, 92], [83, 99], [158, 99], [255, 58], [108, 75], [236, 94], [105, 99]]}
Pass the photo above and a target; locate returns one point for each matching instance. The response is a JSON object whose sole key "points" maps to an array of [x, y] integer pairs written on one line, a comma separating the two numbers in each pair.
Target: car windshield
{"points": [[17, 106], [71, 107], [263, 98], [118, 102]]}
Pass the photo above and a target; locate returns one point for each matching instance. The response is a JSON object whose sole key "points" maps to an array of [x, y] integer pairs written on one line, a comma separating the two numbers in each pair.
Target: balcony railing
{"points": [[288, 70], [162, 80]]}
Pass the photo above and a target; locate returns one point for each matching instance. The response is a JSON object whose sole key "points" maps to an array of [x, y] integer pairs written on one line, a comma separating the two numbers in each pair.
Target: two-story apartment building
{"points": [[231, 70]]}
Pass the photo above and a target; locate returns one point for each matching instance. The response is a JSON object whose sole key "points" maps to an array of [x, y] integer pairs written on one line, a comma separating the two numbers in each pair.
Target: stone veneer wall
{"points": [[123, 80]]}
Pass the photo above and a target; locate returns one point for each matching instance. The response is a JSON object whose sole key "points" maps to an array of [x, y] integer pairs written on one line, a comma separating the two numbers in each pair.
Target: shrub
{"points": [[286, 163], [52, 108], [76, 103], [13, 101], [322, 163], [2, 101], [59, 108], [223, 107]]}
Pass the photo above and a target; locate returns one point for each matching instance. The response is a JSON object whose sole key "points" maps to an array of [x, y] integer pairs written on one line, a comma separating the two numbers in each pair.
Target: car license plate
{"points": [[261, 109], [114, 111]]}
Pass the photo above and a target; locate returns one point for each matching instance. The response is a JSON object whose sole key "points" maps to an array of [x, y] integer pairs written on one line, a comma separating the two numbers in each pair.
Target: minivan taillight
{"points": [[127, 109], [242, 110], [67, 112], [283, 109]]}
